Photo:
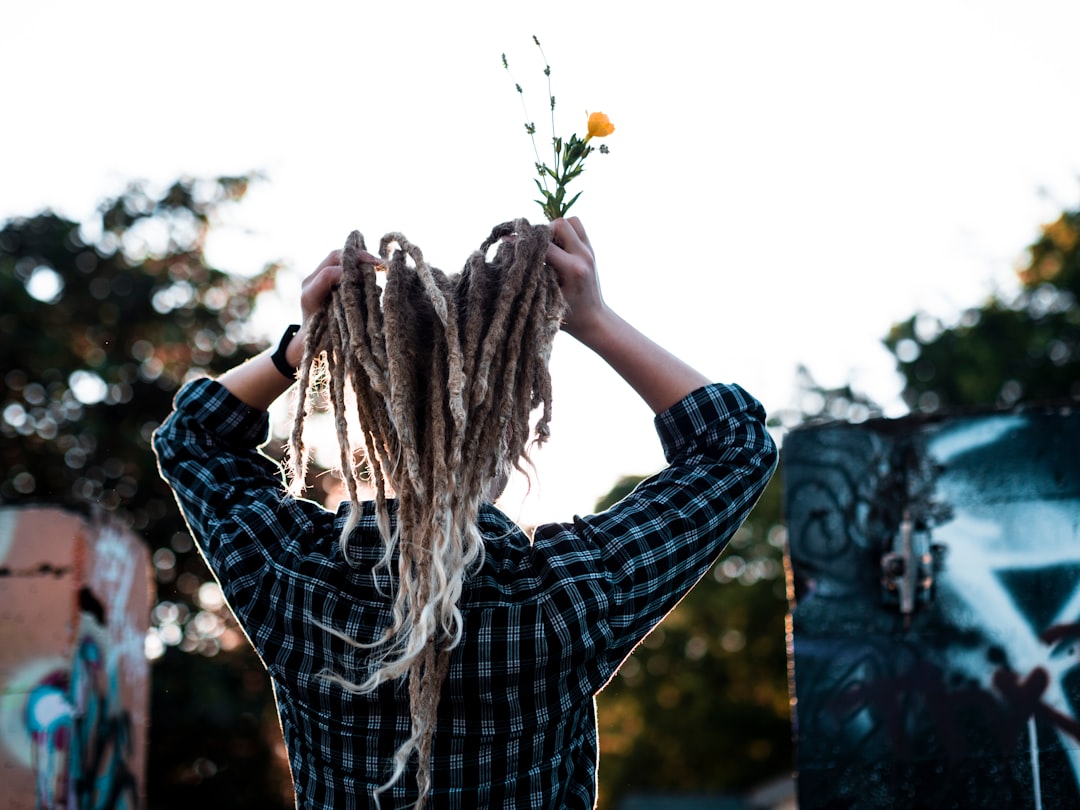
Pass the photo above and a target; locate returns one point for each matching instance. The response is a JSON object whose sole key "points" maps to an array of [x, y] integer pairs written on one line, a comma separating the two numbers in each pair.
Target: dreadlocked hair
{"points": [[436, 366]]}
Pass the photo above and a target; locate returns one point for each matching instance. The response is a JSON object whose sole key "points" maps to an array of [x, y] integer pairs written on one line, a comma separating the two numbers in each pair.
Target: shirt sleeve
{"points": [[232, 496], [612, 577]]}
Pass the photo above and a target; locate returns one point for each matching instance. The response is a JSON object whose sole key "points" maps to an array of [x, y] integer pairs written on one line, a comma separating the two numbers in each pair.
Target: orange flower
{"points": [[599, 126]]}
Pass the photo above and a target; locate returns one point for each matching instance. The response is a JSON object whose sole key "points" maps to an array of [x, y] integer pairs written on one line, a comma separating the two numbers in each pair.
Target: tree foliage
{"points": [[1023, 348], [99, 333], [102, 322]]}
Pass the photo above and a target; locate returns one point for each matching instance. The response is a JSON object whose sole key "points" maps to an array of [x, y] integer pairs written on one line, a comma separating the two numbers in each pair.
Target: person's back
{"points": [[544, 622]]}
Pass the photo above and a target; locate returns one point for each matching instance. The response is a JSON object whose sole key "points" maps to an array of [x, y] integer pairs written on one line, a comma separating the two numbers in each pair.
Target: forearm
{"points": [[257, 382], [658, 376]]}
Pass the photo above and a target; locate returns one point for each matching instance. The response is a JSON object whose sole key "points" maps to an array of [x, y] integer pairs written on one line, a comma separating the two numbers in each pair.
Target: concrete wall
{"points": [[936, 611], [75, 601]]}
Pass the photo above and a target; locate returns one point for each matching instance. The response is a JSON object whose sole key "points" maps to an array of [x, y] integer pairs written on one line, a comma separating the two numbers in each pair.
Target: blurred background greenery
{"points": [[104, 319]]}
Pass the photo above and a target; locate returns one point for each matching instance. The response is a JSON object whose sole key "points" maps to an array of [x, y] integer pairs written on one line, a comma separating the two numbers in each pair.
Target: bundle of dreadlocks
{"points": [[436, 366]]}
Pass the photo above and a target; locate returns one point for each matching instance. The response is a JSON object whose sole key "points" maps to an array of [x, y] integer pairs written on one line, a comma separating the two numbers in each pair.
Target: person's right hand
{"points": [[572, 257]]}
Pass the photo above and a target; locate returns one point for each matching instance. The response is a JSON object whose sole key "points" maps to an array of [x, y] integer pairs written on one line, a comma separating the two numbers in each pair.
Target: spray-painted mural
{"points": [[936, 611], [74, 610]]}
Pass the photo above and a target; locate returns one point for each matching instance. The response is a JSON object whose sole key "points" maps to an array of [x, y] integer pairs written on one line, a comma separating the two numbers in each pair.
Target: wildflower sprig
{"points": [[569, 155]]}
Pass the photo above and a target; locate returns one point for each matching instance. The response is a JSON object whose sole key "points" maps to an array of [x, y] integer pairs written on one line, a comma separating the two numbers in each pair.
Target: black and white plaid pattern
{"points": [[547, 623]]}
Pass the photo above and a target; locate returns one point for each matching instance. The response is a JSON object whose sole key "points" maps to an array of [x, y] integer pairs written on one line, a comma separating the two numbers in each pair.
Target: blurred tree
{"points": [[99, 333], [217, 741], [1009, 350], [815, 403], [703, 704], [102, 322]]}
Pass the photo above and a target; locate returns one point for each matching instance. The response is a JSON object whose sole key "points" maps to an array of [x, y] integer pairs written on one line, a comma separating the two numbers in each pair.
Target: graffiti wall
{"points": [[74, 679], [935, 646]]}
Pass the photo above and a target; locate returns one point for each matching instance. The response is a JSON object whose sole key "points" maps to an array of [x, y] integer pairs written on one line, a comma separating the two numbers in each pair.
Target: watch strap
{"points": [[281, 362]]}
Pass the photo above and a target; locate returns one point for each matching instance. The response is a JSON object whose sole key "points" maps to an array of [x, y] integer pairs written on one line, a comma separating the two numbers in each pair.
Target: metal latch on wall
{"points": [[908, 571]]}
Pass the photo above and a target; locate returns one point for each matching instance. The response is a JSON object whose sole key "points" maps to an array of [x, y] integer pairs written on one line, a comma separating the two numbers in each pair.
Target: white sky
{"points": [[786, 179]]}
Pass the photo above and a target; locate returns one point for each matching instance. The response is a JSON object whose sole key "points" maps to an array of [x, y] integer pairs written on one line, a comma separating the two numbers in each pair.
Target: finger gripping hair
{"points": [[432, 364]]}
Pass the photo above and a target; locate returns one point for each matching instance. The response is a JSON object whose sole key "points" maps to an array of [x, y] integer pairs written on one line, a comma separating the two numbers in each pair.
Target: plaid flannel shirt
{"points": [[546, 623]]}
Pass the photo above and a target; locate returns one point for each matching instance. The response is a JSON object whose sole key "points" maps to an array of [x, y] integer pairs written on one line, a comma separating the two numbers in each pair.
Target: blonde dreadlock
{"points": [[433, 364]]}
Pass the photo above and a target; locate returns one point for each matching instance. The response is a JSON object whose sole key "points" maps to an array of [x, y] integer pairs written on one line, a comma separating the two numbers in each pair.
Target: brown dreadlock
{"points": [[433, 364]]}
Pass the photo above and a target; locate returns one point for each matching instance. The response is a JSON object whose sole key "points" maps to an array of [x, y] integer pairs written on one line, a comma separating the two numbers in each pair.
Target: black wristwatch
{"points": [[280, 361]]}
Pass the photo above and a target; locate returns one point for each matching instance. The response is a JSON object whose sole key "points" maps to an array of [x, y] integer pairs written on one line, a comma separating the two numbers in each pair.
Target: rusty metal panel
{"points": [[935, 644], [75, 600]]}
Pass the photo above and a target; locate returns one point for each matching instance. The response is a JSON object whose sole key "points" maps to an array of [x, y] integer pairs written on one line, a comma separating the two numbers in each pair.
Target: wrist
{"points": [[595, 330], [294, 354]]}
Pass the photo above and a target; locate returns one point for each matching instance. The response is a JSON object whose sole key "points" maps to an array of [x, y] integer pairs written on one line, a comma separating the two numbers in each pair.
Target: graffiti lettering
{"points": [[80, 736], [101, 739], [73, 673]]}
